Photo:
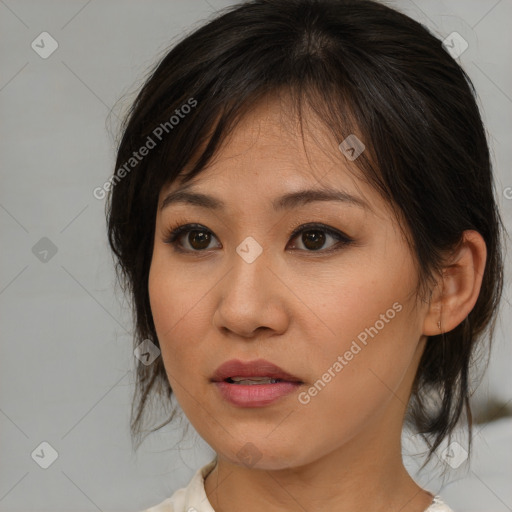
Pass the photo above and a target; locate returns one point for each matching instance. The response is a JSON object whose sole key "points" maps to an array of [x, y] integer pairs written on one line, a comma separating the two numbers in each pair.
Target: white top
{"points": [[193, 497]]}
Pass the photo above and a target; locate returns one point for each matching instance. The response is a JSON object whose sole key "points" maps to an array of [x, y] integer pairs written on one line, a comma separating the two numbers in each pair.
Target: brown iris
{"points": [[201, 238], [313, 239]]}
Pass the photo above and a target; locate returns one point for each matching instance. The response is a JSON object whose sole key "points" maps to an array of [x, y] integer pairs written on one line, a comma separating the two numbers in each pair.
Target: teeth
{"points": [[252, 380]]}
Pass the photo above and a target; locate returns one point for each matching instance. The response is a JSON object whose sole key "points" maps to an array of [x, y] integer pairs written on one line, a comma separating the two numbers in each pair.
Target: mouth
{"points": [[250, 373], [253, 384], [249, 381]]}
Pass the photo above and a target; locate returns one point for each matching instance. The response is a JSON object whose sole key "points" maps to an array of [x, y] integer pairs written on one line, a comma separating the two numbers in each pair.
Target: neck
{"points": [[364, 474]]}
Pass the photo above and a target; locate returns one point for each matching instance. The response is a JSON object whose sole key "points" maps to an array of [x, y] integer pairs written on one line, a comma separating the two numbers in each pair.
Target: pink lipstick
{"points": [[254, 383]]}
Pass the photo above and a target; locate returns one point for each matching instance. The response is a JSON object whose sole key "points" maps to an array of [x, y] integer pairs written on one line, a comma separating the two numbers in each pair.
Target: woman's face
{"points": [[339, 314]]}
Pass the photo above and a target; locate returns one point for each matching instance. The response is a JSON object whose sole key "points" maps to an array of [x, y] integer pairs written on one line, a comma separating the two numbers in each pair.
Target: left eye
{"points": [[312, 238]]}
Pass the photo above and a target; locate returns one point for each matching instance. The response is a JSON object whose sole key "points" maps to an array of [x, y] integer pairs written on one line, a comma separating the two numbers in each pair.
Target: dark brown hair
{"points": [[363, 68]]}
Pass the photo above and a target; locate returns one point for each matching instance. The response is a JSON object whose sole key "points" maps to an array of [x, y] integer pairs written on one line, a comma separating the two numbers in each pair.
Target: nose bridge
{"points": [[249, 266], [248, 298], [249, 250]]}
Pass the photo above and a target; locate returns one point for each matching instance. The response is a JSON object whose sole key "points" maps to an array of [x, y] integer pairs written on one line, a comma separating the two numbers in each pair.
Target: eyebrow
{"points": [[287, 201]]}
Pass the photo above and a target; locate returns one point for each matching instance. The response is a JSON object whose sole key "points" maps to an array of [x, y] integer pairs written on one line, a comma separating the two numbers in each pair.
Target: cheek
{"points": [[353, 382], [168, 313], [175, 294], [371, 337], [178, 305]]}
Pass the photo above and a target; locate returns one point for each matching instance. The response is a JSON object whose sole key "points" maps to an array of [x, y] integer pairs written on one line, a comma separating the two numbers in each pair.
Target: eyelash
{"points": [[177, 230]]}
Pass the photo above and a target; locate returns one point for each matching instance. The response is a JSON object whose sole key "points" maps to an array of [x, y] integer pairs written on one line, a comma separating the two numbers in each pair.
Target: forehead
{"points": [[272, 146]]}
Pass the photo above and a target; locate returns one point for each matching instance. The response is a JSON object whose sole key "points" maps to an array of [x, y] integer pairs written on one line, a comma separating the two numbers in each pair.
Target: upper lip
{"points": [[255, 368]]}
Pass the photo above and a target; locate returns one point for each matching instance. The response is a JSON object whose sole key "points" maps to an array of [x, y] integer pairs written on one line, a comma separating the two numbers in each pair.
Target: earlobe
{"points": [[458, 288]]}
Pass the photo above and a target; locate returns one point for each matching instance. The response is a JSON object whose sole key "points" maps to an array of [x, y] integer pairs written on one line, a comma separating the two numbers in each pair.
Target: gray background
{"points": [[66, 362]]}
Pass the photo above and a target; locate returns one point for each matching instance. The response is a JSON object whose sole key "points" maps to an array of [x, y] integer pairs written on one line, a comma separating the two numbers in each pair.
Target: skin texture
{"points": [[299, 309]]}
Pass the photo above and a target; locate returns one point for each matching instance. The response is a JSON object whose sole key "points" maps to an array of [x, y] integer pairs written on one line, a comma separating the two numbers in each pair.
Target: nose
{"points": [[252, 299]]}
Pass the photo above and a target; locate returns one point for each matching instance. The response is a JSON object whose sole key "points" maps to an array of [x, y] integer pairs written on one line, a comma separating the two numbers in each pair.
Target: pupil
{"points": [[313, 239], [202, 238]]}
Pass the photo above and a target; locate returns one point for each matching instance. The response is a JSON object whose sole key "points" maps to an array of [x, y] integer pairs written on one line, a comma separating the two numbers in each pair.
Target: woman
{"points": [[303, 212]]}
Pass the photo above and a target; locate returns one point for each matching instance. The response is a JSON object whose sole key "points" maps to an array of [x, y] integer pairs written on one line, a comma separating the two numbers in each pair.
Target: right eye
{"points": [[196, 237]]}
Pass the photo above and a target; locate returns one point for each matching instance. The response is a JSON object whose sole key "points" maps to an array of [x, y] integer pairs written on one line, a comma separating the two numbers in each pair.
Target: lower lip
{"points": [[255, 395]]}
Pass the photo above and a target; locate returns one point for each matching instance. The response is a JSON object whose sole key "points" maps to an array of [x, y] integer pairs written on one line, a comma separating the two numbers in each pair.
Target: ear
{"points": [[458, 288]]}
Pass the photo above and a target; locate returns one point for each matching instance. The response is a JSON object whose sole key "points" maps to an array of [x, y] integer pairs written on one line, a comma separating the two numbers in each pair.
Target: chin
{"points": [[263, 454]]}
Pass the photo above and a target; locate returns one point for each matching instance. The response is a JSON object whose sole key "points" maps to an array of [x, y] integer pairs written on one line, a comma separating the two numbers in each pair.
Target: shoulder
{"points": [[173, 504], [438, 505], [164, 506], [191, 498]]}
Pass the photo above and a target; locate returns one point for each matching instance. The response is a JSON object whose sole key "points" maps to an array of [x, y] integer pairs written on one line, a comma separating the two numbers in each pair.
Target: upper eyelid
{"points": [[319, 226], [185, 228], [335, 233]]}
